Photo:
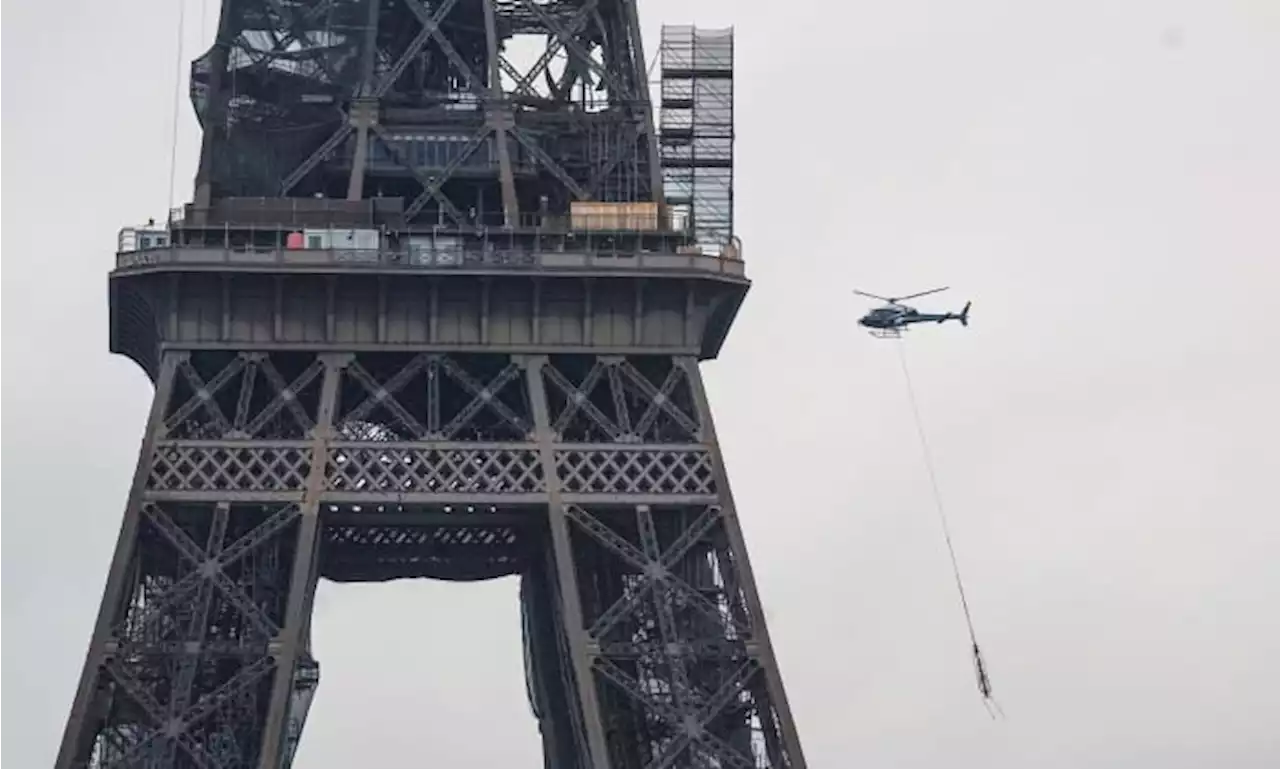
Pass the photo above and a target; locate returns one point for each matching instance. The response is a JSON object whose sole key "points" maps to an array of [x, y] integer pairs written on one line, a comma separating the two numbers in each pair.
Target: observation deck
{"points": [[317, 274]]}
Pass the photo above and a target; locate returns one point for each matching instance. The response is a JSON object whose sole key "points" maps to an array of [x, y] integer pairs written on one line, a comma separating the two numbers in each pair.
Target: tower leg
{"points": [[676, 651], [290, 646], [91, 699], [785, 724], [567, 589], [203, 622]]}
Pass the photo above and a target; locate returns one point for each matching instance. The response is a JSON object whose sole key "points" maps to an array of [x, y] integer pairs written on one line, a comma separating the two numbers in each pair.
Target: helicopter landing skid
{"points": [[886, 333]]}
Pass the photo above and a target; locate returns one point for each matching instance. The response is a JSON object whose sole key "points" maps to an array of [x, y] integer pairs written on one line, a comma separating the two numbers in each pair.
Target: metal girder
{"points": [[606, 466]]}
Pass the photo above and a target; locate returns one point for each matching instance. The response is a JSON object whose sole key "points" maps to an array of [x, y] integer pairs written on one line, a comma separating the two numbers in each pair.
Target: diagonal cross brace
{"points": [[176, 728], [430, 28], [680, 688], [660, 399], [678, 549], [247, 380], [286, 396], [521, 87], [431, 24], [619, 394], [211, 569], [695, 732], [556, 170], [579, 398], [238, 549], [628, 552], [156, 713], [432, 189], [180, 697], [414, 47], [384, 394], [615, 87], [482, 397], [524, 82], [431, 185], [317, 157], [203, 395], [690, 725]]}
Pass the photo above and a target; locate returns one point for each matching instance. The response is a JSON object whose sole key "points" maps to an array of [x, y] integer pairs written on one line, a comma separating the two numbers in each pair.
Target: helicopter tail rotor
{"points": [[964, 314]]}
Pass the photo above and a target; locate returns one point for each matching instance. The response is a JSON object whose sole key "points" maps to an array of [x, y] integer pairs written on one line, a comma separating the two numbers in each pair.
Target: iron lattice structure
{"points": [[419, 101], [426, 361]]}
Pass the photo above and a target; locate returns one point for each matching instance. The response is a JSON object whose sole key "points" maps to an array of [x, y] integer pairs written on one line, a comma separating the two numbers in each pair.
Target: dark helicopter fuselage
{"points": [[900, 317]]}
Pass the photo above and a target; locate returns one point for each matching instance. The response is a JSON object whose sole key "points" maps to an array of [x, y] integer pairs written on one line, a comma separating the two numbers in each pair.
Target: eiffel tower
{"points": [[437, 312]]}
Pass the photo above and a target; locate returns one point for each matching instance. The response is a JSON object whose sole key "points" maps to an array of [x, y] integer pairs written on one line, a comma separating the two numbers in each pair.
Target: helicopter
{"points": [[892, 319]]}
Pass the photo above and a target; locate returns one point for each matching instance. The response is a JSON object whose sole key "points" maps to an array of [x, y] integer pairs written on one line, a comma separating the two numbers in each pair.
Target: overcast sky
{"points": [[1101, 177]]}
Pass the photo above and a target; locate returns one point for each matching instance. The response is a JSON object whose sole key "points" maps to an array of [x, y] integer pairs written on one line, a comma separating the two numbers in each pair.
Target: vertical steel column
{"points": [[642, 85], [288, 647], [76, 739], [214, 125], [566, 572], [499, 116], [733, 530], [364, 108]]}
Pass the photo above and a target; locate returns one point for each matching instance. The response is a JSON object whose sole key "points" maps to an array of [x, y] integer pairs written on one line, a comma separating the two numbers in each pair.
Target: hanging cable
{"points": [[980, 667], [177, 99]]}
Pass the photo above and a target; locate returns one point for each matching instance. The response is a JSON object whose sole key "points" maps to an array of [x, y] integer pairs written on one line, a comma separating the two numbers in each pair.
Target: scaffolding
{"points": [[696, 127]]}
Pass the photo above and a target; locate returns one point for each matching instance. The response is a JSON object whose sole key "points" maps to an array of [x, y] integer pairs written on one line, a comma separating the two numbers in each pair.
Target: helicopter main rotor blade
{"points": [[916, 296], [873, 296]]}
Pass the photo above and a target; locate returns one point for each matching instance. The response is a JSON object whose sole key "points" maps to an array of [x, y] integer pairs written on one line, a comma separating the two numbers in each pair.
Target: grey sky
{"points": [[1101, 177]]}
